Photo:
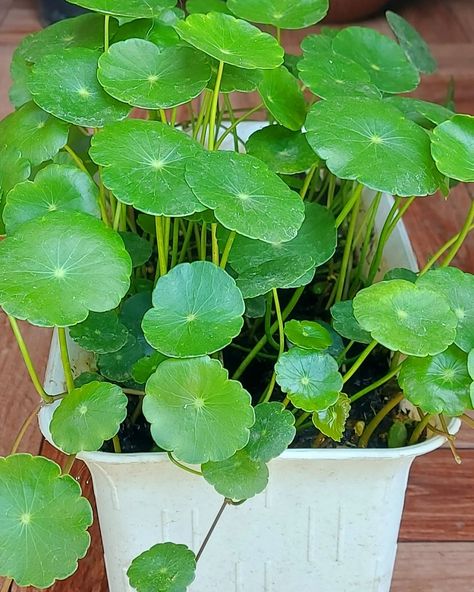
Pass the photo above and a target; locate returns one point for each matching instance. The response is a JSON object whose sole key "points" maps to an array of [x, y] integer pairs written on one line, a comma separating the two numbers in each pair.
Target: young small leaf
{"points": [[397, 435], [196, 412], [308, 335], [415, 47], [101, 332], [145, 367], [332, 421], [272, 432]]}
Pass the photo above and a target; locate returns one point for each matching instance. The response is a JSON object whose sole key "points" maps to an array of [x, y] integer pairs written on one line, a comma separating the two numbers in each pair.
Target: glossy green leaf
{"points": [[311, 379], [406, 318], [118, 365], [65, 84], [205, 6], [282, 150], [144, 166], [370, 141], [470, 363], [332, 421], [272, 432], [235, 78], [255, 307], [438, 384], [230, 40], [401, 273], [145, 367], [383, 59], [65, 265], [422, 112], [452, 146], [132, 8], [132, 313], [345, 323], [13, 169], [196, 412], [397, 435], [36, 134], [197, 310], [152, 30], [55, 188], [41, 541], [88, 416], [412, 43], [86, 378], [285, 14], [101, 332], [458, 289], [141, 74], [138, 248], [308, 334], [165, 567], [20, 71], [283, 97], [246, 196], [238, 477]]}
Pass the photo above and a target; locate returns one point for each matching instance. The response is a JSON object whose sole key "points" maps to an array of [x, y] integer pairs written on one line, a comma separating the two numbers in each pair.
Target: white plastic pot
{"points": [[327, 522]]}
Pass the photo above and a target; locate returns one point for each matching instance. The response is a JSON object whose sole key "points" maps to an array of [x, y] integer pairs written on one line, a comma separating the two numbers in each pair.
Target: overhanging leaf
{"points": [[162, 35], [78, 266], [101, 332], [308, 335], [311, 379], [41, 541], [438, 384], [245, 195], [197, 310], [370, 141], [230, 40], [422, 112], [65, 84], [131, 8], [138, 248], [88, 416], [452, 146], [144, 166], [332, 421], [345, 323], [412, 43], [234, 78], [283, 97], [13, 169], [285, 14], [406, 318], [145, 367], [20, 71], [55, 188], [196, 412], [272, 432]]}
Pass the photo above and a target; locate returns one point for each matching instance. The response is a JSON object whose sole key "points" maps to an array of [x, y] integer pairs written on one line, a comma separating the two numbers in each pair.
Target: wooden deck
{"points": [[436, 551]]}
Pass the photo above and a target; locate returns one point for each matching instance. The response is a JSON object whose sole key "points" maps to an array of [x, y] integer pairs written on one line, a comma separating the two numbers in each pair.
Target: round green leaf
{"points": [[230, 40], [238, 477], [416, 49], [166, 567], [397, 435], [401, 273], [285, 14], [131, 8], [141, 74], [65, 84], [282, 150], [458, 289], [470, 363], [438, 384], [422, 112], [308, 334], [197, 310], [452, 146], [311, 379], [43, 520], [20, 71], [55, 188], [234, 79], [101, 332], [36, 134], [272, 432], [13, 169], [345, 323], [56, 269], [152, 30], [118, 365], [138, 248], [88, 416], [246, 196], [283, 97], [332, 421], [383, 59], [145, 367], [144, 164], [370, 141], [196, 412], [406, 318], [205, 6]]}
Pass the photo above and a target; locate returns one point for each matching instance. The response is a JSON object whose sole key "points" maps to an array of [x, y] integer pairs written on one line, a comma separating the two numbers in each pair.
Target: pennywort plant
{"points": [[230, 293]]}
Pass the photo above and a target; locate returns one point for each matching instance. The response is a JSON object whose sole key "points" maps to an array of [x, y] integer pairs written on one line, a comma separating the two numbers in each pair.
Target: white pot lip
{"points": [[291, 454]]}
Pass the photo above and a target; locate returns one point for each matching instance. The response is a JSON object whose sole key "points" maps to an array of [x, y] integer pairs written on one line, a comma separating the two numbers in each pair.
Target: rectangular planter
{"points": [[327, 522]]}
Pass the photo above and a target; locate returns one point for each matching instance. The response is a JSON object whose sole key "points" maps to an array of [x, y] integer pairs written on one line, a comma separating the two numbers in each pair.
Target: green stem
{"points": [[440, 252], [204, 241], [303, 417], [278, 34], [268, 322], [65, 359], [227, 248], [342, 278], [268, 394], [68, 464], [163, 117], [377, 420], [230, 111], [214, 104], [116, 445], [360, 360], [308, 179], [186, 241], [204, 108], [419, 429], [26, 424], [184, 467], [77, 159], [342, 356], [331, 189], [236, 123], [462, 236], [215, 245], [349, 205], [160, 243], [174, 248], [118, 214], [27, 360], [106, 32], [371, 387]]}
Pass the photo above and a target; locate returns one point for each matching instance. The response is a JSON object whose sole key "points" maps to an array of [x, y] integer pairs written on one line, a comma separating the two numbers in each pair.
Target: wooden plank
{"points": [[440, 499], [433, 567]]}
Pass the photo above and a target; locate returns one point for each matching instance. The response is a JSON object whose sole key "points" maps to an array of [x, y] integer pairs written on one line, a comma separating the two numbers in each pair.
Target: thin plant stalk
{"points": [[377, 420], [214, 104], [360, 360], [227, 249], [461, 238], [215, 245], [26, 424], [65, 359], [236, 123], [374, 385]]}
